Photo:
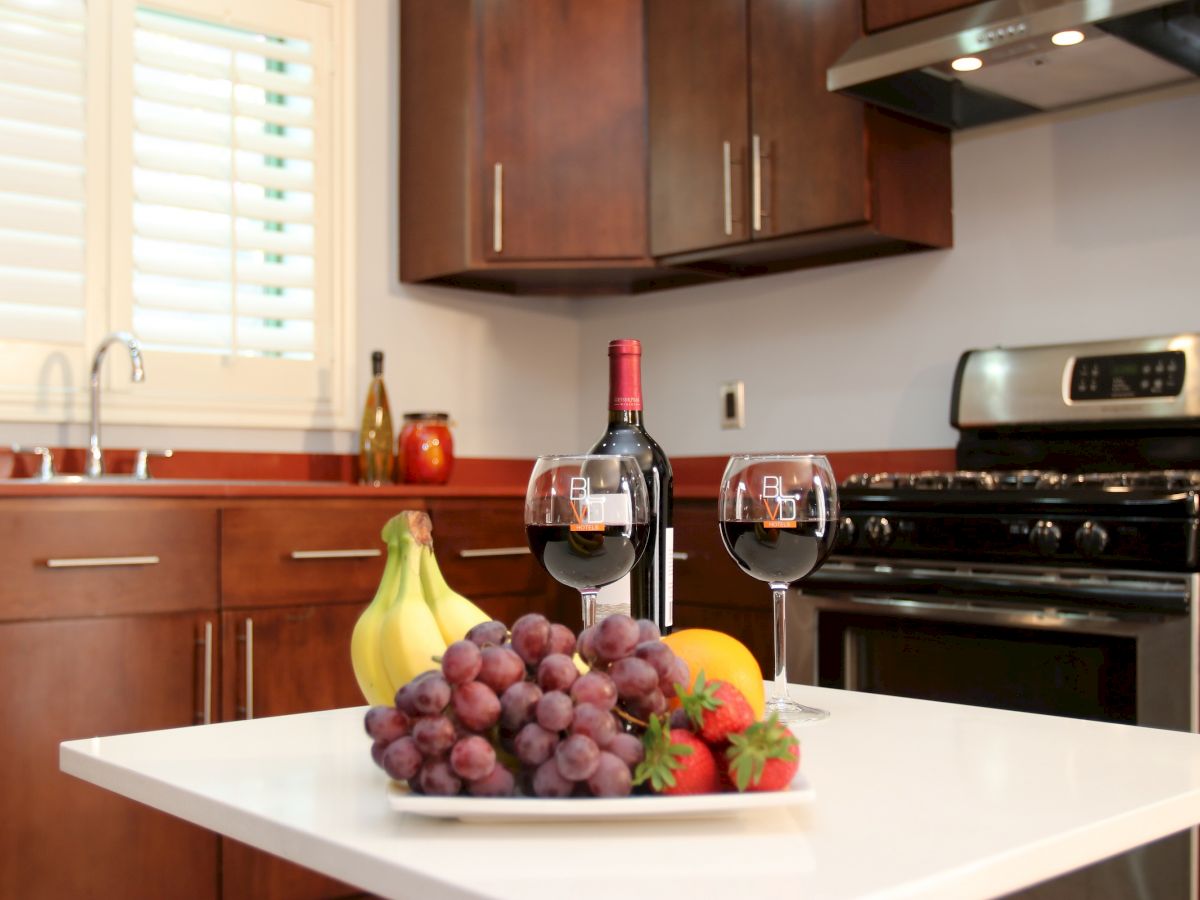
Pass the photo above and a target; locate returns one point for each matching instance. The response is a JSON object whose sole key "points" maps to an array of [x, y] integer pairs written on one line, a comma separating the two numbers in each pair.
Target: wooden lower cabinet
{"points": [[70, 678], [711, 591], [117, 648], [278, 661]]}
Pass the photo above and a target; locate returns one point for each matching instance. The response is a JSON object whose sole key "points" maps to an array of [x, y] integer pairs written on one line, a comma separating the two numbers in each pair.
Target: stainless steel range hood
{"points": [[1126, 46]]}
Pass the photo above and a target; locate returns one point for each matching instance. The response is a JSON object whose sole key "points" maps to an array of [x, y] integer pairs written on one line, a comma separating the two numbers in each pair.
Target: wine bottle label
{"points": [[668, 593]]}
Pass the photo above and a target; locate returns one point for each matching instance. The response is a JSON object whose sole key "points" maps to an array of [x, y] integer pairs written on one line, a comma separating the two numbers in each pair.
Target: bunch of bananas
{"points": [[414, 615]]}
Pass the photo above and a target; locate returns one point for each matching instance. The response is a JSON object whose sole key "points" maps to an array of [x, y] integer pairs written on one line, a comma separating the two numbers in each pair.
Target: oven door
{"points": [[1115, 646]]}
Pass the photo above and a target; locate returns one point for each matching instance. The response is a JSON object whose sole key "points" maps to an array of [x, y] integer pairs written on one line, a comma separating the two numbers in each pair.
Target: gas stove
{"points": [[1025, 480], [1065, 458]]}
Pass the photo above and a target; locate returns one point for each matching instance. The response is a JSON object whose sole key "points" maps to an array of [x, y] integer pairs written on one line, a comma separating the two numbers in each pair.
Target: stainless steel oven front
{"points": [[1099, 644]]}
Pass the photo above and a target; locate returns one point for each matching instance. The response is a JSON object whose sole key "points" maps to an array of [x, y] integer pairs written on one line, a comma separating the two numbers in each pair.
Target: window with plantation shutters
{"points": [[216, 215], [222, 189], [43, 119]]}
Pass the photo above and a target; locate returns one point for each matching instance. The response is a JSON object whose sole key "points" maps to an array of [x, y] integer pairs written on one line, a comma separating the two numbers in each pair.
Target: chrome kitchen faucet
{"points": [[95, 458]]}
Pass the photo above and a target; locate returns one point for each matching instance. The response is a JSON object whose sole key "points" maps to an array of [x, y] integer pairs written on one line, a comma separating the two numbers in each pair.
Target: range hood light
{"points": [[1067, 38], [967, 64]]}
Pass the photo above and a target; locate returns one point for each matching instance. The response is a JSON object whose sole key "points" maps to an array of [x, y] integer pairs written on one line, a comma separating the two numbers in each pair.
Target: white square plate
{"points": [[533, 809]]}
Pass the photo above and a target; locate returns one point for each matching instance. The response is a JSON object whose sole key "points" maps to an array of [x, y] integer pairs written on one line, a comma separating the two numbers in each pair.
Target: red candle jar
{"points": [[425, 449]]}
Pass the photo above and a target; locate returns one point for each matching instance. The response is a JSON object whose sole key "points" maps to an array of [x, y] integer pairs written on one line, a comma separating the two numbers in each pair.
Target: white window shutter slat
{"points": [[210, 101], [42, 186]]}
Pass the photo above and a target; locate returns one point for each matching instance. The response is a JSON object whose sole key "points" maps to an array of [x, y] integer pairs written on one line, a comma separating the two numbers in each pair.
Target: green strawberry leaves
{"points": [[662, 758], [749, 751]]}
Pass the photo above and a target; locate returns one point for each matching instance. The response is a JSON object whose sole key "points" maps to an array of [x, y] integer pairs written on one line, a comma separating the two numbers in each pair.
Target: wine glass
{"points": [[587, 519], [778, 517]]}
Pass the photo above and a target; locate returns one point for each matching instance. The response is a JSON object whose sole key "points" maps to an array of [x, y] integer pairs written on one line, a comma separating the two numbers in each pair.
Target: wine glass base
{"points": [[790, 712]]}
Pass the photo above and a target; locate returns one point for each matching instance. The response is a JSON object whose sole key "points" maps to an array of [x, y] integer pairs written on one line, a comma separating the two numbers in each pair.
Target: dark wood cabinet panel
{"points": [[72, 678], [283, 660], [482, 551], [286, 552], [279, 661], [699, 124], [827, 178], [523, 147], [73, 557], [812, 143], [882, 14], [564, 129]]}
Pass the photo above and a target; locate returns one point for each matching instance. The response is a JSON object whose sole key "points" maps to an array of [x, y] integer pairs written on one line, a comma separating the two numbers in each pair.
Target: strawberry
{"points": [[717, 709], [676, 762], [764, 757]]}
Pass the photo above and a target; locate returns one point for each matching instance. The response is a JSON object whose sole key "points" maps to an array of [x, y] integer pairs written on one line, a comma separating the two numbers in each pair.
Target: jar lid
{"points": [[439, 416]]}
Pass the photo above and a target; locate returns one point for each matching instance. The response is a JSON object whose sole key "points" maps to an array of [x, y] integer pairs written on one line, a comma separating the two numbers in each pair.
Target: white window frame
{"points": [[108, 250]]}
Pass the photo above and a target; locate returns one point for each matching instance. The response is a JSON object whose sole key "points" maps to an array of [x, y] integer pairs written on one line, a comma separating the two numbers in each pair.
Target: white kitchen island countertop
{"points": [[912, 799]]}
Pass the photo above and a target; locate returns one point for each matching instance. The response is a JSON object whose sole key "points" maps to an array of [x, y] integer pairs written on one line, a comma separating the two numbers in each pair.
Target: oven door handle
{"points": [[1118, 595]]}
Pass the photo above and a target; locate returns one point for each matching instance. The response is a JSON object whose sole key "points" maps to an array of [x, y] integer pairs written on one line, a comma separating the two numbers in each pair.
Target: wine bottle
{"points": [[375, 459], [646, 593]]}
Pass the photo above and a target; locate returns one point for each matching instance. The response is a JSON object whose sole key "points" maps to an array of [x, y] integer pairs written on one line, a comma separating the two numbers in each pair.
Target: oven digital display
{"points": [[1128, 375]]}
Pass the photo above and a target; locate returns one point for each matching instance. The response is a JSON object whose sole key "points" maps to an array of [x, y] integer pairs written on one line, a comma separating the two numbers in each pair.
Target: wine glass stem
{"points": [[779, 595], [588, 596]]}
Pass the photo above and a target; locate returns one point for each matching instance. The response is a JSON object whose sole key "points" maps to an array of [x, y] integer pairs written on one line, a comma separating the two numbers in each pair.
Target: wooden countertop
{"points": [[281, 475]]}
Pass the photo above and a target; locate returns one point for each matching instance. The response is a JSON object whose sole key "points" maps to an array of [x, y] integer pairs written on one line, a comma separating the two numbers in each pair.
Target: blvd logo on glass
{"points": [[781, 509], [586, 510]]}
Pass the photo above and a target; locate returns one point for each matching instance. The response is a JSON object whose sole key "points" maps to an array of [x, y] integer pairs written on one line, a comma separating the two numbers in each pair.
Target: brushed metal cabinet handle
{"points": [[208, 672], [335, 554], [756, 178], [493, 551], [249, 668], [91, 562], [727, 172], [498, 208]]}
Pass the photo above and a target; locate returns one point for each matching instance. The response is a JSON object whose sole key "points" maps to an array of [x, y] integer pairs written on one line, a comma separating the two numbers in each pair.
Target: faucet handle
{"points": [[141, 464], [46, 472]]}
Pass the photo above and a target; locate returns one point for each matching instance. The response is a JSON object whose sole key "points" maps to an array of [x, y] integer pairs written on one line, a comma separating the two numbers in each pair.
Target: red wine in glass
{"points": [[587, 520], [579, 559], [778, 554]]}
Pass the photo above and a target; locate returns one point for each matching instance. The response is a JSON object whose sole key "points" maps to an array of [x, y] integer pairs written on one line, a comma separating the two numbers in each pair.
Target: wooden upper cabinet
{"points": [[580, 146], [699, 124], [824, 178], [523, 146], [811, 143], [881, 14], [564, 132]]}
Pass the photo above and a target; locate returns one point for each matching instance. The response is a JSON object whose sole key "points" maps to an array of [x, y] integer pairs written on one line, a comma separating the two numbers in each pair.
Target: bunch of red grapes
{"points": [[511, 713]]}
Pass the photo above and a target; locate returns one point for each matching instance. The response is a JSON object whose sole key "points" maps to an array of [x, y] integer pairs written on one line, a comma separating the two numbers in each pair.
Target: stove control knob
{"points": [[1045, 537], [1091, 539], [847, 532], [879, 532]]}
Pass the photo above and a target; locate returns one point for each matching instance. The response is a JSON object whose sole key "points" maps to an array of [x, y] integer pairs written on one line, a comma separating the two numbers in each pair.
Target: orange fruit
{"points": [[722, 658]]}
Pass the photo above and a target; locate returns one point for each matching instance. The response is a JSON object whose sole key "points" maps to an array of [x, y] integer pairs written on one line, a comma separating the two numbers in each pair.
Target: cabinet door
{"points": [[73, 678], [482, 551], [278, 661], [812, 145], [564, 170], [699, 124]]}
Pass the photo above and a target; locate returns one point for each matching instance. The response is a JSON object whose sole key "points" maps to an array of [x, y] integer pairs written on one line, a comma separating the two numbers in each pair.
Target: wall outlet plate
{"points": [[733, 404]]}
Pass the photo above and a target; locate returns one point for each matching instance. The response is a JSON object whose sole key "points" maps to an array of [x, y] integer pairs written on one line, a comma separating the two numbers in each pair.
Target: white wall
{"points": [[504, 368], [1078, 226]]}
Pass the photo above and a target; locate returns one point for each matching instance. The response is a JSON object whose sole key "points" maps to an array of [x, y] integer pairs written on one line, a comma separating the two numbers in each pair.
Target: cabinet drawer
{"points": [[482, 550], [284, 553], [73, 558]]}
